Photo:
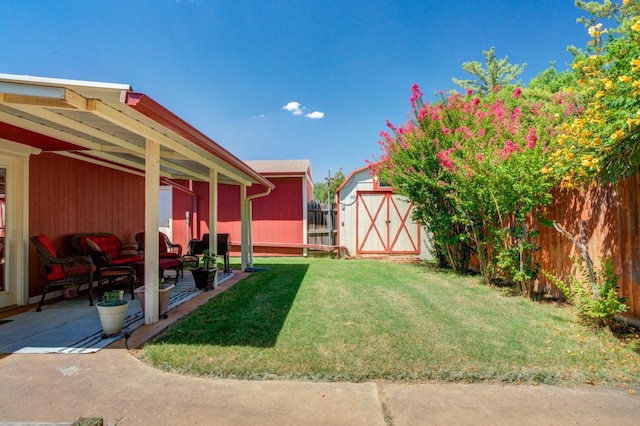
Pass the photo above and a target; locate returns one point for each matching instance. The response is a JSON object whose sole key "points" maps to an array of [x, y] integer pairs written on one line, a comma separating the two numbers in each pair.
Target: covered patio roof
{"points": [[108, 124], [112, 126]]}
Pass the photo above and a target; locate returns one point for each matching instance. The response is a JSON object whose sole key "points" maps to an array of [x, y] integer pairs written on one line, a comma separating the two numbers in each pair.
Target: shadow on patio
{"points": [[72, 326]]}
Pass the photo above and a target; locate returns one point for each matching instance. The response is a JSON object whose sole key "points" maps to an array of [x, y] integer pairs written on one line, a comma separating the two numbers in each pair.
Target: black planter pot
{"points": [[205, 278]]}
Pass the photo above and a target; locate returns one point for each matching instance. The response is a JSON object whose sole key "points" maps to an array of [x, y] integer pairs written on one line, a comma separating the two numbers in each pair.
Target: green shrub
{"points": [[598, 310]]}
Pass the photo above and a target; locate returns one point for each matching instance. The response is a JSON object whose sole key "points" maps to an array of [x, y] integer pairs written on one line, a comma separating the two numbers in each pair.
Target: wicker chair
{"points": [[223, 247], [63, 271], [168, 250]]}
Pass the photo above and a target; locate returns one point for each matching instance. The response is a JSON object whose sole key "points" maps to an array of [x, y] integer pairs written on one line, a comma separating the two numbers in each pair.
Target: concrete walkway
{"points": [[115, 385]]}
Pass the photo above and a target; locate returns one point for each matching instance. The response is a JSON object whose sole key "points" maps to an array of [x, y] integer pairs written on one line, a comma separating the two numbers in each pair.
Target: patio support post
{"points": [[305, 214], [250, 232], [245, 228], [151, 243], [213, 211]]}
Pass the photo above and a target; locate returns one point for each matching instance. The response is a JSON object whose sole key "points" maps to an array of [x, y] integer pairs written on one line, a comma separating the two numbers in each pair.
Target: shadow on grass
{"points": [[251, 313]]}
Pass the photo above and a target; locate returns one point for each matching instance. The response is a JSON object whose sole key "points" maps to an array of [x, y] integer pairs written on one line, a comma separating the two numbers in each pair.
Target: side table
{"points": [[190, 261], [111, 273]]}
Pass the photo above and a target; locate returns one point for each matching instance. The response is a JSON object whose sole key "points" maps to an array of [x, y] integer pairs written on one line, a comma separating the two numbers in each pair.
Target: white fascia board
{"points": [[26, 79]]}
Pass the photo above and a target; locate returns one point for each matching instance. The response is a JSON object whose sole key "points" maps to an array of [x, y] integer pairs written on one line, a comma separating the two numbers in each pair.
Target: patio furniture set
{"points": [[105, 257]]}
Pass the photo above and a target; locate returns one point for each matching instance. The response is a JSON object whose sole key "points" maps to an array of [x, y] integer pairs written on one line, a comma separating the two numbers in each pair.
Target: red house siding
{"points": [[182, 202], [68, 196]]}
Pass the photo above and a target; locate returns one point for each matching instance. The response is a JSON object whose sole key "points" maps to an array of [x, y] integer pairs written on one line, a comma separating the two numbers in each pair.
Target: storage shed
{"points": [[279, 225], [375, 221]]}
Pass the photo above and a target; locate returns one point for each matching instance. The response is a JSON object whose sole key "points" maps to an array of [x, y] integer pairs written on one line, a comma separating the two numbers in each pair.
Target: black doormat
{"points": [[4, 321]]}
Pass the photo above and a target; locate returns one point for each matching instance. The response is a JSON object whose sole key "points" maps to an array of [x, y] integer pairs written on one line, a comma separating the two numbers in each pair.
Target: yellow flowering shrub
{"points": [[601, 143]]}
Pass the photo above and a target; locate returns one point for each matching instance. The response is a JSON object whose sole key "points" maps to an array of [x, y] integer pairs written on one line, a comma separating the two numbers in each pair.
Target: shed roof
{"points": [[109, 124], [281, 167], [351, 176]]}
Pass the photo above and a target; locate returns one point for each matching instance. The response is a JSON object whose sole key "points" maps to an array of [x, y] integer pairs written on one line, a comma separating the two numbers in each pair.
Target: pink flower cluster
{"points": [[509, 148], [444, 157], [473, 128], [416, 94]]}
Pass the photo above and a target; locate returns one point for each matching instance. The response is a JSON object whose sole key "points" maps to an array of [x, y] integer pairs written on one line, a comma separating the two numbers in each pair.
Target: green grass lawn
{"points": [[361, 320]]}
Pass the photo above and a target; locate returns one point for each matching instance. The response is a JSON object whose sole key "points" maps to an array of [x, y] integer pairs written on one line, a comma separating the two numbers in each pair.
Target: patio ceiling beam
{"points": [[48, 131], [54, 97], [137, 165], [173, 155], [61, 119], [98, 162], [185, 172], [117, 117]]}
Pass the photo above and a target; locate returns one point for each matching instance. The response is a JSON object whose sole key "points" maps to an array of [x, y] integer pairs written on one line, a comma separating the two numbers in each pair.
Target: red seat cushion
{"points": [[168, 255], [55, 276], [76, 270], [46, 243], [125, 260]]}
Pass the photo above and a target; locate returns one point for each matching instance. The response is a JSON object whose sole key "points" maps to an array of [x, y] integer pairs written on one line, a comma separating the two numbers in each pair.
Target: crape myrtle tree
{"points": [[471, 165]]}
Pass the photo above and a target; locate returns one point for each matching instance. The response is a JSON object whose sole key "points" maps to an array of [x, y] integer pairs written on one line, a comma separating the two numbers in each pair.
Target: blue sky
{"points": [[287, 79]]}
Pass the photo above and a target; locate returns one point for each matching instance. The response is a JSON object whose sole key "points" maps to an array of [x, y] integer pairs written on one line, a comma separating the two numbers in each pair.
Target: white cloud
{"points": [[294, 107], [297, 109], [315, 115], [259, 117]]}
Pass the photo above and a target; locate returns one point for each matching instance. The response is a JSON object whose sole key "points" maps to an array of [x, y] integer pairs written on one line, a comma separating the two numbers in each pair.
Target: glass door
{"points": [[7, 294], [14, 223], [3, 230]]}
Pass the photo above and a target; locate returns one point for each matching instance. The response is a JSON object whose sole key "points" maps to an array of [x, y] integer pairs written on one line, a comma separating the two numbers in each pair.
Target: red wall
{"points": [[277, 218], [182, 202], [68, 196]]}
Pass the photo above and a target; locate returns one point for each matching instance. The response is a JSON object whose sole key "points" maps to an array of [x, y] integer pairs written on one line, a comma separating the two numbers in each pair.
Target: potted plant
{"points": [[164, 294], [70, 291], [112, 310], [206, 275]]}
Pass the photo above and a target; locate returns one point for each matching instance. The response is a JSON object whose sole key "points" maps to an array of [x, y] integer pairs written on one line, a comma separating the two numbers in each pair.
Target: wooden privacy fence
{"points": [[318, 223], [612, 217]]}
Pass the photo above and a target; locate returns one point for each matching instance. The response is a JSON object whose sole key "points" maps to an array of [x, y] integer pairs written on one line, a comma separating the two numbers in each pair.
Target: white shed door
{"points": [[384, 226]]}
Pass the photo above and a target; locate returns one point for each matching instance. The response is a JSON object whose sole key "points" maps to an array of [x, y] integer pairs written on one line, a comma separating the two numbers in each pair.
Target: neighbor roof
{"points": [[281, 167]]}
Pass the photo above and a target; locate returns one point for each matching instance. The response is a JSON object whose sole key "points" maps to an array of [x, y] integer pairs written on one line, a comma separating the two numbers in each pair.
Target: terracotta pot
{"points": [[163, 303]]}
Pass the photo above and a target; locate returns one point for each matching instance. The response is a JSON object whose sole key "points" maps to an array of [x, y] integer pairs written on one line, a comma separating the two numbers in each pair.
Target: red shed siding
{"points": [[69, 196], [277, 217]]}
